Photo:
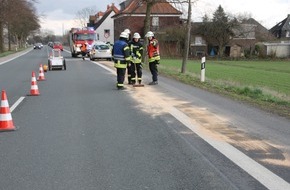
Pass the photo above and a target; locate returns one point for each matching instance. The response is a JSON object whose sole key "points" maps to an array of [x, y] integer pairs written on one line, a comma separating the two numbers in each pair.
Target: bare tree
{"points": [[83, 15], [3, 8], [149, 4], [187, 39], [19, 18], [22, 20]]}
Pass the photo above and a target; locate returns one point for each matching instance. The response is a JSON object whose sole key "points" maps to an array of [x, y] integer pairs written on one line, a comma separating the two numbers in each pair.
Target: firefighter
{"points": [[153, 56], [136, 49], [84, 49], [129, 33], [129, 68], [121, 55]]}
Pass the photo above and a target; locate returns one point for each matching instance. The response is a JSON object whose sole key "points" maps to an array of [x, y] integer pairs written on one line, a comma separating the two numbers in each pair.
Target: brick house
{"points": [[243, 42], [104, 24], [132, 15]]}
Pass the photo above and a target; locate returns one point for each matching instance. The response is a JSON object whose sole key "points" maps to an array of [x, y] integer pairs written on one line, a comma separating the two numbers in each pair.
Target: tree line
{"points": [[18, 18]]}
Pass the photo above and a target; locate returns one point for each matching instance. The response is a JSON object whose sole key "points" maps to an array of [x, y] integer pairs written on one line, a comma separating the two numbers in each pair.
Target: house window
{"points": [[287, 34], [106, 33], [198, 40], [155, 23]]}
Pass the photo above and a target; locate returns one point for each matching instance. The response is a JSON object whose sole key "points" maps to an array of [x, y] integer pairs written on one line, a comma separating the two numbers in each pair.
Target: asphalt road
{"points": [[82, 133]]}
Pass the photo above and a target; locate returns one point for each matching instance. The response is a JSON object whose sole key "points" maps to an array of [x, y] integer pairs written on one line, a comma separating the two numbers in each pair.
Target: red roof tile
{"points": [[139, 7]]}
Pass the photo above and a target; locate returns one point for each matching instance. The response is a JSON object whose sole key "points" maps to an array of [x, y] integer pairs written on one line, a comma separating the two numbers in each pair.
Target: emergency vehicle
{"points": [[79, 36]]}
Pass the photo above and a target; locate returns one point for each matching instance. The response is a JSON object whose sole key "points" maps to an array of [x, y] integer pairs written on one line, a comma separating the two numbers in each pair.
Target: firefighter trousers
{"points": [[136, 69], [120, 77], [154, 70]]}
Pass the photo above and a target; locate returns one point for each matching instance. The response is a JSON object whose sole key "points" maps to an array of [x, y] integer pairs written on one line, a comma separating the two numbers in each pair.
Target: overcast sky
{"points": [[59, 15]]}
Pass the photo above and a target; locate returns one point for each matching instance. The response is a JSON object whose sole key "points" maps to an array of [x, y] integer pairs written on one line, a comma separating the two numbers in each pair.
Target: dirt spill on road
{"points": [[151, 101]]}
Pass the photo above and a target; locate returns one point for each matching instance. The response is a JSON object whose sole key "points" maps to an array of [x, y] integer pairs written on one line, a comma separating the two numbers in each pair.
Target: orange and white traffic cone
{"points": [[34, 88], [6, 122], [41, 73]]}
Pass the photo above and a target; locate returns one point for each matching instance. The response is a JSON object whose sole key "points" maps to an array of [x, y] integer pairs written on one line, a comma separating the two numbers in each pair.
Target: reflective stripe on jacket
{"points": [[121, 54], [153, 50], [136, 51]]}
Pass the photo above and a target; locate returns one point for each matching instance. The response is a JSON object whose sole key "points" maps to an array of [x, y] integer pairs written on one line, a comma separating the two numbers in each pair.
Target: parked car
{"points": [[37, 46], [100, 50], [57, 45], [50, 44]]}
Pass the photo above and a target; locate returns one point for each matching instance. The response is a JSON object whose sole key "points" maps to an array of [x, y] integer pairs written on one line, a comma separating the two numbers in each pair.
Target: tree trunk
{"points": [[1, 38], [146, 29], [187, 39], [9, 37]]}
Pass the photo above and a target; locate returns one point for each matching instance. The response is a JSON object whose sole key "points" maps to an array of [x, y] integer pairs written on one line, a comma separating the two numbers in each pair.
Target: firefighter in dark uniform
{"points": [[153, 56], [121, 55], [129, 68], [136, 49]]}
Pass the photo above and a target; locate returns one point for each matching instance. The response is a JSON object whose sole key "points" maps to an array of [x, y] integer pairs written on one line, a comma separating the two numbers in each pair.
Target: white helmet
{"points": [[136, 35], [149, 34], [127, 31], [124, 35]]}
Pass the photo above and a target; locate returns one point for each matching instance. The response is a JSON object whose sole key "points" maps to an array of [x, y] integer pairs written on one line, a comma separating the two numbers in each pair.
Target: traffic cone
{"points": [[6, 123], [34, 88], [41, 73]]}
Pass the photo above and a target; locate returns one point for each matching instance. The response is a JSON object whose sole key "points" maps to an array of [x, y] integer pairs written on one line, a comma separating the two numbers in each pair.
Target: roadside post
{"points": [[202, 74]]}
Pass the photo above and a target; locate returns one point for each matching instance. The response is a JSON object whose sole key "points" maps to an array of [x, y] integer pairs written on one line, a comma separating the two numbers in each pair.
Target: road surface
{"points": [[82, 133]]}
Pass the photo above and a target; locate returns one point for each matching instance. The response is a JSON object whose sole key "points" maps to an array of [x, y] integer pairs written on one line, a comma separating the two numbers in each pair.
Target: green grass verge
{"points": [[265, 84], [3, 54]]}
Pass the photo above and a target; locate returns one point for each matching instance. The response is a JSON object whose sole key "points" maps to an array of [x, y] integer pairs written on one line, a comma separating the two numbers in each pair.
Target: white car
{"points": [[101, 50]]}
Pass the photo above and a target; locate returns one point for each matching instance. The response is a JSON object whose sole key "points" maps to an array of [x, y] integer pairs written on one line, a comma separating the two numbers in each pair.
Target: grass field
{"points": [[265, 83]]}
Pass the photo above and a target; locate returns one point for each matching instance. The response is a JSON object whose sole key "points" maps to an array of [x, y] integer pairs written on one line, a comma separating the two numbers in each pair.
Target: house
{"points": [[198, 45], [282, 29], [104, 24], [241, 44], [280, 50], [132, 16]]}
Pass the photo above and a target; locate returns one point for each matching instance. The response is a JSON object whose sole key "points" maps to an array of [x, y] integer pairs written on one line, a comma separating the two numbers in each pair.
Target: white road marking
{"points": [[256, 170], [253, 168], [104, 67], [16, 103], [14, 58]]}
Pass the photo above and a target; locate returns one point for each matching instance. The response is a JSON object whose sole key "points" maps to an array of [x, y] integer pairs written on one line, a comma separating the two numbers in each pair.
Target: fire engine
{"points": [[79, 36]]}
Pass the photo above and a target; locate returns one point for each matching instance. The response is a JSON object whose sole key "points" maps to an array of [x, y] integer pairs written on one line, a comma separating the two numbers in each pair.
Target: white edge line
{"points": [[104, 67], [253, 168], [16, 103], [14, 57], [256, 170]]}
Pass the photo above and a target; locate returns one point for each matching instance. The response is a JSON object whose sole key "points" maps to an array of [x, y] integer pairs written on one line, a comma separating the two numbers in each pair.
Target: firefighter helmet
{"points": [[149, 34], [136, 35], [127, 31], [124, 35]]}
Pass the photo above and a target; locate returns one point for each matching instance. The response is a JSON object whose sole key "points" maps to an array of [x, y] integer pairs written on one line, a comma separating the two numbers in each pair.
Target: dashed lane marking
{"points": [[16, 103]]}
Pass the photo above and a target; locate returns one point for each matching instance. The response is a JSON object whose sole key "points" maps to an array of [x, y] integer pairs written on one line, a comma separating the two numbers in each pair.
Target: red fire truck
{"points": [[79, 36]]}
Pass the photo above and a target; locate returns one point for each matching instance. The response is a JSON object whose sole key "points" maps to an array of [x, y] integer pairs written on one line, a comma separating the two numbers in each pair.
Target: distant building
{"points": [[281, 32], [132, 16], [104, 24], [243, 42], [282, 29]]}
